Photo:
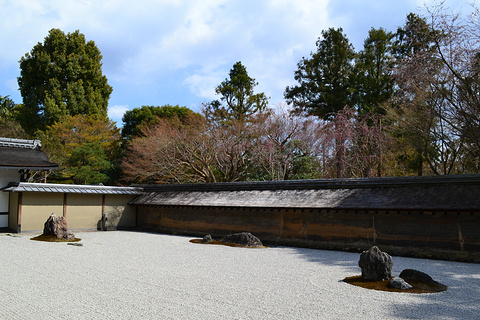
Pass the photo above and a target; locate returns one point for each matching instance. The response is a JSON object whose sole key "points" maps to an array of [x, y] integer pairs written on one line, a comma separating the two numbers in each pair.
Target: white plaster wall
{"points": [[3, 220], [6, 176]]}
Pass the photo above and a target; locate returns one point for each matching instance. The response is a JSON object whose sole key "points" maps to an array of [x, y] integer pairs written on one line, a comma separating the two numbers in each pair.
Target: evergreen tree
{"points": [[374, 80], [240, 101], [412, 113], [59, 77], [9, 126], [325, 79], [137, 119]]}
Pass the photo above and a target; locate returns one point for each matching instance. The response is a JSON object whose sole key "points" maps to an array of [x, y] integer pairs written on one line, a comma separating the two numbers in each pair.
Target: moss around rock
{"points": [[45, 238], [376, 274], [384, 285]]}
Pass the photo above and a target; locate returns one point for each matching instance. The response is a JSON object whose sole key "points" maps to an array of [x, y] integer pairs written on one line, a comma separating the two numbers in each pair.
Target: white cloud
{"points": [[175, 51], [202, 85], [153, 41], [116, 112], [268, 37]]}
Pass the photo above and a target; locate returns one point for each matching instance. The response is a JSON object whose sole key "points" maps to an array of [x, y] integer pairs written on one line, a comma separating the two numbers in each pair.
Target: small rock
{"points": [[76, 244], [243, 238], [207, 238], [69, 235], [375, 264], [399, 283]]}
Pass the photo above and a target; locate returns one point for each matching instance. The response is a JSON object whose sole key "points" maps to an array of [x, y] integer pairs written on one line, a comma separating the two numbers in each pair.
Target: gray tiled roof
{"points": [[409, 193], [23, 154], [19, 143], [69, 188]]}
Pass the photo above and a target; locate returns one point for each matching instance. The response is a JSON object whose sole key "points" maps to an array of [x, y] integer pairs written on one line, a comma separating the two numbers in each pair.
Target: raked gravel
{"points": [[135, 275]]}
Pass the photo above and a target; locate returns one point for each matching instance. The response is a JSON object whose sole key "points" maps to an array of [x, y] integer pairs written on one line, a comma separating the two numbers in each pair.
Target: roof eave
{"points": [[68, 188], [47, 168]]}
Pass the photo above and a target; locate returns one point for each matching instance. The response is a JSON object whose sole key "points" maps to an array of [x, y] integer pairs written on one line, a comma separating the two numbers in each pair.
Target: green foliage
{"points": [[325, 79], [88, 164], [7, 108], [61, 77], [9, 126], [11, 129], [134, 121], [305, 167], [374, 80], [414, 37], [84, 147], [412, 113], [237, 94]]}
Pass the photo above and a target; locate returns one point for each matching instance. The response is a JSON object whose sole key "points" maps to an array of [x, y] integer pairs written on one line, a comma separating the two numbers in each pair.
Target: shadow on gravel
{"points": [[460, 301], [348, 260]]}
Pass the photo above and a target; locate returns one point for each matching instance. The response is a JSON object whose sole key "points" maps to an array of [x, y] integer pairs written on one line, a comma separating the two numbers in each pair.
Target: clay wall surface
{"points": [[423, 217], [37, 207], [444, 235], [82, 211]]}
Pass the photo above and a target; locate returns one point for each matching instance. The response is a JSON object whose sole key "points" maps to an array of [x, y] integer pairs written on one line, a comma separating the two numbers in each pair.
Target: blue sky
{"points": [[158, 52]]}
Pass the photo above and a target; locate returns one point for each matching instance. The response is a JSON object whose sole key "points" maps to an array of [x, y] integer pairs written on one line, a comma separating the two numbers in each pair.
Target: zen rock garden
{"points": [[56, 230], [377, 267]]}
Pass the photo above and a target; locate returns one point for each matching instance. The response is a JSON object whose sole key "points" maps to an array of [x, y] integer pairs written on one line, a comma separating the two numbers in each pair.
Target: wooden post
{"points": [[65, 205], [104, 218], [19, 215]]}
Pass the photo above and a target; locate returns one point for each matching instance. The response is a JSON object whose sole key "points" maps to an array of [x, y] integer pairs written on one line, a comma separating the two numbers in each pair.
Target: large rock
{"points": [[421, 277], [57, 227], [243, 238], [375, 264], [412, 274]]}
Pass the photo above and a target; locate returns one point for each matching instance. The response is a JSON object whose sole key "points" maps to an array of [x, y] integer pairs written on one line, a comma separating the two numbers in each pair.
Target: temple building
{"points": [[19, 158]]}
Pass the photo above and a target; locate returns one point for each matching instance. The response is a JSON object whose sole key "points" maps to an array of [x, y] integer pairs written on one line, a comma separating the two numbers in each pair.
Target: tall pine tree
{"points": [[325, 79]]}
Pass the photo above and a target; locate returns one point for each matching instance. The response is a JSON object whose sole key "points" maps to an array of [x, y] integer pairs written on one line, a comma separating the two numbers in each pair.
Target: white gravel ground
{"points": [[134, 275]]}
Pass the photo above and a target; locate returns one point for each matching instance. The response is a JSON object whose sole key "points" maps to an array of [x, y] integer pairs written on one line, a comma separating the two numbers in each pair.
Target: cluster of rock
{"points": [[377, 266], [243, 238], [57, 227]]}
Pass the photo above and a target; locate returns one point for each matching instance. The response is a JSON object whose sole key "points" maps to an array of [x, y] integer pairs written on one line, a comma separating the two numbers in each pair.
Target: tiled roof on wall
{"points": [[70, 188], [406, 193]]}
